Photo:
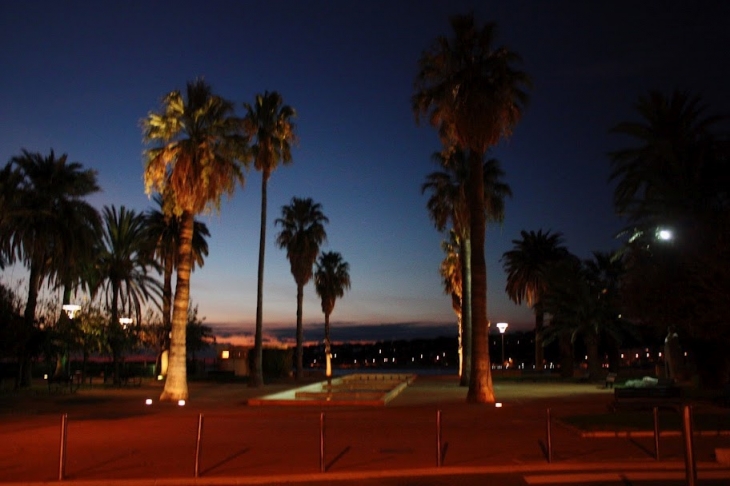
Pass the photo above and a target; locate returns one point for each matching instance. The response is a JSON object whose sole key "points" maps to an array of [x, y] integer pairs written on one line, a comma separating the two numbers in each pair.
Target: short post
{"points": [[321, 443], [198, 445], [62, 453], [689, 452], [549, 439], [438, 439], [656, 433]]}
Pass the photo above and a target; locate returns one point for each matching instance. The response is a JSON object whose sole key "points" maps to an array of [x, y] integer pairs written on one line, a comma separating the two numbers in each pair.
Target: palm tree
{"points": [[198, 158], [331, 279], [268, 123], [44, 199], [582, 300], [302, 233], [470, 91], [165, 231], [124, 262], [526, 266], [448, 203]]}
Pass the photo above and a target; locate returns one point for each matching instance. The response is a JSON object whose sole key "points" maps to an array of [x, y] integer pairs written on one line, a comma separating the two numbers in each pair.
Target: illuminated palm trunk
{"points": [[327, 345], [300, 333], [176, 383], [466, 318], [480, 383]]}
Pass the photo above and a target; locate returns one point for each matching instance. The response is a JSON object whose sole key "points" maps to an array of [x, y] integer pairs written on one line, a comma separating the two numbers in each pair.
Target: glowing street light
{"points": [[502, 326], [125, 321], [71, 309], [664, 234]]}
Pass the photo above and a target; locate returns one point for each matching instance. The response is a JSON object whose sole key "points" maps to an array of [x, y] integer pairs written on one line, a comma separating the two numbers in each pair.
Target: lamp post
{"points": [[502, 326], [71, 310]]}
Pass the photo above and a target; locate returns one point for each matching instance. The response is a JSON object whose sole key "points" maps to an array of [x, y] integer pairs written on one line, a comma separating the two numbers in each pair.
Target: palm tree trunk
{"points": [[480, 383], [257, 373], [24, 369], [466, 319], [327, 347], [594, 367], [176, 383], [115, 337], [300, 333], [539, 351], [166, 311], [566, 355], [167, 289]]}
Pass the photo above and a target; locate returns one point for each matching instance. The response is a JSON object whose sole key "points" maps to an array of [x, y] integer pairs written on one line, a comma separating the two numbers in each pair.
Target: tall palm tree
{"points": [[302, 233], [470, 91], [44, 195], [268, 122], [448, 203], [124, 263], [164, 230], [331, 279], [198, 157], [526, 266]]}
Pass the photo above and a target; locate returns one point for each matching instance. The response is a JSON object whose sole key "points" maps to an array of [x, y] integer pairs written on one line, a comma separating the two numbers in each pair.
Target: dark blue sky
{"points": [[78, 77]]}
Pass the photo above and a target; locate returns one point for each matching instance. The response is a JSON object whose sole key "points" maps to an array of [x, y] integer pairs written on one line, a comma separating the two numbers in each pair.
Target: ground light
{"points": [[181, 403], [498, 405], [148, 401]]}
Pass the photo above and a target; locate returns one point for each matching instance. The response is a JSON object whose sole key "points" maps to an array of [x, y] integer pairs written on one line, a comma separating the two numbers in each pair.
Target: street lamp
{"points": [[664, 234], [502, 326], [125, 321], [71, 309]]}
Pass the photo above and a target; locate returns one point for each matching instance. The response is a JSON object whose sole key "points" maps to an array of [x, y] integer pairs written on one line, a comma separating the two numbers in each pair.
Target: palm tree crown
{"points": [[200, 153], [527, 262], [302, 233], [331, 279]]}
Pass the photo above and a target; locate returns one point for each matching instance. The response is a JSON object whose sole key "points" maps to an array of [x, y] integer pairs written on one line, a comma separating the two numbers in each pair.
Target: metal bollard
{"points": [[656, 433], [689, 451], [62, 452], [438, 439], [549, 439], [322, 466], [198, 445]]}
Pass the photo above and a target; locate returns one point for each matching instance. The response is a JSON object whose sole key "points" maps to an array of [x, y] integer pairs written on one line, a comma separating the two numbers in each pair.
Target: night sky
{"points": [[79, 76]]}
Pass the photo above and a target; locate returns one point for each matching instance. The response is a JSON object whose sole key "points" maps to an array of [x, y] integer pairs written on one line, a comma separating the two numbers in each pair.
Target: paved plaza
{"points": [[114, 437]]}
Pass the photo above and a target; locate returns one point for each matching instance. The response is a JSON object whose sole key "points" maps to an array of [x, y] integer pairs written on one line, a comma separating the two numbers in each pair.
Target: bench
{"points": [[610, 380], [669, 396], [62, 383]]}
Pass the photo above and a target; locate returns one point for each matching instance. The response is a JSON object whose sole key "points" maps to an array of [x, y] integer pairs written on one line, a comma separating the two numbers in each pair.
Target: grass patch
{"points": [[644, 421]]}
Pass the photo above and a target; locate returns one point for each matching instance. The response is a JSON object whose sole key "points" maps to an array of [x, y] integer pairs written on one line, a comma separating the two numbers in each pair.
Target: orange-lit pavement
{"points": [[120, 440]]}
